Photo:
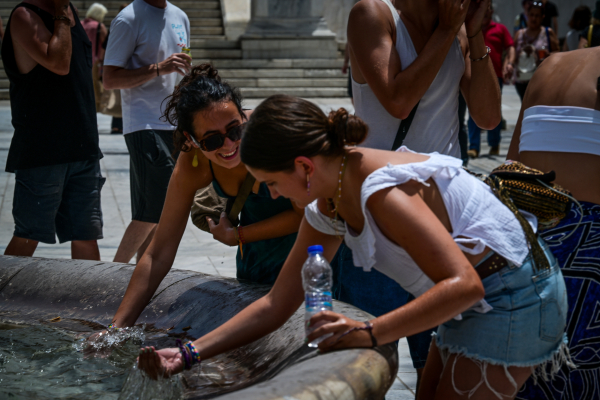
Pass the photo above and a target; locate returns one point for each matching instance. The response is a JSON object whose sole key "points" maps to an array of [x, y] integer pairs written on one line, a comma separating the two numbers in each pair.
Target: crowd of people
{"points": [[415, 240]]}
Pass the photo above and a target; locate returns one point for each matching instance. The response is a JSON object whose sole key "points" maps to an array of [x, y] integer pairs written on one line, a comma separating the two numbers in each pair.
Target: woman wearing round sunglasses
{"points": [[209, 119]]}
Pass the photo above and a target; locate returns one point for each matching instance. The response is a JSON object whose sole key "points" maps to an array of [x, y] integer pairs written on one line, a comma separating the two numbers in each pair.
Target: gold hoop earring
{"points": [[195, 160]]}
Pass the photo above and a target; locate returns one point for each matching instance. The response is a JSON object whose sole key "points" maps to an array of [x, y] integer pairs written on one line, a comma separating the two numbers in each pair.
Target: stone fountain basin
{"points": [[86, 294]]}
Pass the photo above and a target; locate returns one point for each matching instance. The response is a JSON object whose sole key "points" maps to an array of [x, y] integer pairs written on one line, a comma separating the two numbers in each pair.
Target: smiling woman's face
{"points": [[217, 120]]}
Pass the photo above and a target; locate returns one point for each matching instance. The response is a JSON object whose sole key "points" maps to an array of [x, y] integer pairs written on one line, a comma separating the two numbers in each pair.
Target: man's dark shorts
{"points": [[59, 200], [151, 166]]}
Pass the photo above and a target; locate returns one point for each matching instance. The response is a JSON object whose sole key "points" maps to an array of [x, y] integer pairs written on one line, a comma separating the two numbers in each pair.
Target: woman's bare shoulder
{"points": [[190, 176]]}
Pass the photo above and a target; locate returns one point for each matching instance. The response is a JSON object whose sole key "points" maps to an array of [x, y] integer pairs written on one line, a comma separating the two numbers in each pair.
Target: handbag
{"points": [[207, 203], [110, 103], [520, 187], [532, 190]]}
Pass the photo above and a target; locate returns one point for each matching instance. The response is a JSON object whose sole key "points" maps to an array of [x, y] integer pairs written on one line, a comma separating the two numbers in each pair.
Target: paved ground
{"points": [[198, 251]]}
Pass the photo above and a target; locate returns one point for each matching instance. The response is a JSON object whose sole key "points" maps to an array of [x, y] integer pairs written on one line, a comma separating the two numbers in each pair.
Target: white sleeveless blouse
{"points": [[477, 217]]}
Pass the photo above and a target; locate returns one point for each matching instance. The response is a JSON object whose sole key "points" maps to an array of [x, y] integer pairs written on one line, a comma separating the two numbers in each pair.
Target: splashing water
{"points": [[111, 339], [41, 362]]}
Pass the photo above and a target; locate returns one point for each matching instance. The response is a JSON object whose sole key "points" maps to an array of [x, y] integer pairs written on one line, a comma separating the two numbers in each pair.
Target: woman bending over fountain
{"points": [[559, 130], [209, 119], [423, 221]]}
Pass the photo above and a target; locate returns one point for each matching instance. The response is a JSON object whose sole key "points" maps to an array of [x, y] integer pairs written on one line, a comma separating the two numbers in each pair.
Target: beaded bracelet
{"points": [[193, 352], [113, 327]]}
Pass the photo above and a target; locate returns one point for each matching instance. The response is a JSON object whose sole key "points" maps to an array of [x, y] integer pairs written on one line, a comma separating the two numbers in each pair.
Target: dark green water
{"points": [[42, 362]]}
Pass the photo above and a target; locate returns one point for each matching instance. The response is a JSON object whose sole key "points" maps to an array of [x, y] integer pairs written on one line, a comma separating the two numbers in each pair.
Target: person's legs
{"points": [[464, 378], [85, 250], [21, 247], [493, 135], [151, 166], [37, 197], [432, 373], [116, 125], [521, 89], [474, 138], [79, 217], [134, 238]]}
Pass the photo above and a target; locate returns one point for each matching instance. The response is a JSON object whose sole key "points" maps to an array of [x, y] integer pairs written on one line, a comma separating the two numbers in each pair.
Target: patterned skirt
{"points": [[579, 258]]}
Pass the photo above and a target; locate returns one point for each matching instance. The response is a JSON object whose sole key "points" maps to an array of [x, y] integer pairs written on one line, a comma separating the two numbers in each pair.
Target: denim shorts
{"points": [[59, 200], [150, 169], [527, 324]]}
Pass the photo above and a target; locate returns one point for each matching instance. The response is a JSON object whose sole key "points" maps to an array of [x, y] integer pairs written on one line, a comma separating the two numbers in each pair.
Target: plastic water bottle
{"points": [[316, 280]]}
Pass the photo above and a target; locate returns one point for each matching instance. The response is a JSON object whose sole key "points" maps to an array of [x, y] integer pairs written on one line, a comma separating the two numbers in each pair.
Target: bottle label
{"points": [[320, 300]]}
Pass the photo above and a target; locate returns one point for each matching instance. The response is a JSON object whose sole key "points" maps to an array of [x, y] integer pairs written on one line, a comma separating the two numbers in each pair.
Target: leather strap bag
{"points": [[533, 191], [110, 103], [403, 129], [207, 203], [520, 187]]}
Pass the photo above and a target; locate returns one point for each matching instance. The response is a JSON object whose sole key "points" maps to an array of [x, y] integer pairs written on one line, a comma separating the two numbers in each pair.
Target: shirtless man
{"points": [[54, 151], [559, 130]]}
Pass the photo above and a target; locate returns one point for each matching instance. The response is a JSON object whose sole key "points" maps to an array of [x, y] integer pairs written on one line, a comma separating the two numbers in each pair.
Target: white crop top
{"points": [[561, 129], [477, 217]]}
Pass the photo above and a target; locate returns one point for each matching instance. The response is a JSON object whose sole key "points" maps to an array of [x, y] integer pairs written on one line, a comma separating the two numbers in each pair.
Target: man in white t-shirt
{"points": [[143, 58]]}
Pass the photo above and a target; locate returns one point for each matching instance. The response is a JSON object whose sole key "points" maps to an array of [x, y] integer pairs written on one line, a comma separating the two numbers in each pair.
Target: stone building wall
{"points": [[236, 14]]}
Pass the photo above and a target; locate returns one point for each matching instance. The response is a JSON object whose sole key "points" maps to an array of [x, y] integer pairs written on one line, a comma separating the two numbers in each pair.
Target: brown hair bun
{"points": [[346, 128]]}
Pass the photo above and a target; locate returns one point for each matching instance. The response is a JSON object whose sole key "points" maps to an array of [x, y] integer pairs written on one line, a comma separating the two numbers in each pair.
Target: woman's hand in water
{"points": [[338, 325], [160, 363], [224, 232]]}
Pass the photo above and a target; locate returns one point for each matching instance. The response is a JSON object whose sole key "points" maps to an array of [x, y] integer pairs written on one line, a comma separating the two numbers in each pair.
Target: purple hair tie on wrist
{"points": [[187, 359]]}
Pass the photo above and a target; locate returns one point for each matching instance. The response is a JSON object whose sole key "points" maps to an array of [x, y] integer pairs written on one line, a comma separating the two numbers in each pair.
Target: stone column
{"points": [[288, 29]]}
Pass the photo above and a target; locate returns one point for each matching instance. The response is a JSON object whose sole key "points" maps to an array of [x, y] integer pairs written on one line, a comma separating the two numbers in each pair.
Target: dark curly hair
{"points": [[197, 91], [283, 127]]}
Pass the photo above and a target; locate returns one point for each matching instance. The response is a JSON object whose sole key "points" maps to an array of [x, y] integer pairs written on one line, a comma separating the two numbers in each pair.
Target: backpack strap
{"points": [[403, 128], [241, 197]]}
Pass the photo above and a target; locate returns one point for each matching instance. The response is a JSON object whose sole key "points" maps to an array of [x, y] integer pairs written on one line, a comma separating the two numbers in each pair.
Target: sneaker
{"points": [[494, 151], [473, 153]]}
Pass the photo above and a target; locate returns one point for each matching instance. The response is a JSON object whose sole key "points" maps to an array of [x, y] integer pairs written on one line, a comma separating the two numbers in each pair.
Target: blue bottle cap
{"points": [[315, 249]]}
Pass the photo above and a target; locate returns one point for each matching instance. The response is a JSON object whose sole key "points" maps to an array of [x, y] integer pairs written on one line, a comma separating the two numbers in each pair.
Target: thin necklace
{"points": [[339, 195]]}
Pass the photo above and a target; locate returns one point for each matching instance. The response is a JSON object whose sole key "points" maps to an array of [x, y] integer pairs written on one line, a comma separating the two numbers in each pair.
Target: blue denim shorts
{"points": [[527, 324], [59, 200]]}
